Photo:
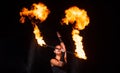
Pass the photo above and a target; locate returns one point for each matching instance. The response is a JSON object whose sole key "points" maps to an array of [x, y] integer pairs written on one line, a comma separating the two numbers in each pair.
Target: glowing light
{"points": [[39, 12], [79, 18]]}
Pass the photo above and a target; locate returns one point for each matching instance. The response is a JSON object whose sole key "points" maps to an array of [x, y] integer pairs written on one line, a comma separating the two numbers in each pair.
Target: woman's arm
{"points": [[63, 47], [64, 51]]}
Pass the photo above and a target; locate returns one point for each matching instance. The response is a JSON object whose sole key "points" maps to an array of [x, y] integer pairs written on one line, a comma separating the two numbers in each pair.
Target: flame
{"points": [[38, 11], [38, 36], [78, 42], [79, 17]]}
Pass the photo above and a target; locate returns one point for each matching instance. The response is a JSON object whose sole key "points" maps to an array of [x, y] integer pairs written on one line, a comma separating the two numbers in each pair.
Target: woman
{"points": [[58, 63]]}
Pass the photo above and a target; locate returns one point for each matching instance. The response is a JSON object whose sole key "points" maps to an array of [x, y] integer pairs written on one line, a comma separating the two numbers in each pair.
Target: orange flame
{"points": [[79, 17], [38, 11]]}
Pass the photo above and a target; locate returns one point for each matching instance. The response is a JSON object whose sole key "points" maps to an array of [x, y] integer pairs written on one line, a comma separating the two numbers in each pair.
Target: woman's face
{"points": [[57, 49]]}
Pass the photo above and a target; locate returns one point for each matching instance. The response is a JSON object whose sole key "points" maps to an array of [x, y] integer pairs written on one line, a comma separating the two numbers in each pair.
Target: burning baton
{"points": [[75, 16]]}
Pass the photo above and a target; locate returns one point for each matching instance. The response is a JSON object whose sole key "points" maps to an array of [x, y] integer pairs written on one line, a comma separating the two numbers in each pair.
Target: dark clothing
{"points": [[58, 70]]}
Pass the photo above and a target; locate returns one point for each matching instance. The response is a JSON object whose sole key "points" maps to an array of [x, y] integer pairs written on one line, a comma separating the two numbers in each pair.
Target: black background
{"points": [[17, 39]]}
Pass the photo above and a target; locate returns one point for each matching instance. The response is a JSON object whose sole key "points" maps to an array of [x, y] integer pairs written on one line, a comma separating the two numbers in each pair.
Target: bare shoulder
{"points": [[53, 60]]}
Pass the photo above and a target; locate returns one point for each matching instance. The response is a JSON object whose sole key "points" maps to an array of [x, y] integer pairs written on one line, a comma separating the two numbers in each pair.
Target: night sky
{"points": [[17, 40]]}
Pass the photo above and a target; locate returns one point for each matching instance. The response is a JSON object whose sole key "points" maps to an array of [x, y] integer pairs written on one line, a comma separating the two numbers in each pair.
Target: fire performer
{"points": [[59, 62]]}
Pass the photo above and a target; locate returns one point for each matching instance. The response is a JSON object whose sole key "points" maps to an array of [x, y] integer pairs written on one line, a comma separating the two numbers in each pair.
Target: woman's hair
{"points": [[57, 45]]}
